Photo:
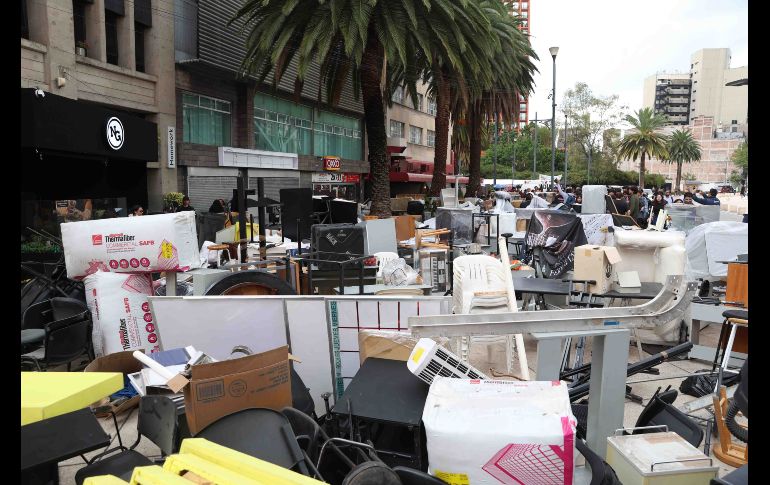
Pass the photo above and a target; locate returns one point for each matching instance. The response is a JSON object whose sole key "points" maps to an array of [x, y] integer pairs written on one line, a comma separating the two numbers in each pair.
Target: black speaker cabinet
{"points": [[296, 204], [339, 239]]}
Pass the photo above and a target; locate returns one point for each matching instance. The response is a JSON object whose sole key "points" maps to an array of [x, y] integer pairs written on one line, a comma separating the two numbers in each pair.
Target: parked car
{"points": [[727, 189]]}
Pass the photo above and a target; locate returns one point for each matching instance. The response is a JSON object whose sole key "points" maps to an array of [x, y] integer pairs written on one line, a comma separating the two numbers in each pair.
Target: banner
{"points": [[553, 236]]}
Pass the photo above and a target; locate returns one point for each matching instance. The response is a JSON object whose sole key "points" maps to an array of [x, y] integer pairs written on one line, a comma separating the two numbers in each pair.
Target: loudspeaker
{"points": [[339, 239], [296, 204]]}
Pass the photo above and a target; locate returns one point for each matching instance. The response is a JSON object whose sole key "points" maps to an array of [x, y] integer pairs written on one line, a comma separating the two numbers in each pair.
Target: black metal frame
{"points": [[357, 260]]}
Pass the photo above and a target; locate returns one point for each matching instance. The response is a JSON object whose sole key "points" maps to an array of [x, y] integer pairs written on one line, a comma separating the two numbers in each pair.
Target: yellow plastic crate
{"points": [[104, 480], [155, 475], [248, 466]]}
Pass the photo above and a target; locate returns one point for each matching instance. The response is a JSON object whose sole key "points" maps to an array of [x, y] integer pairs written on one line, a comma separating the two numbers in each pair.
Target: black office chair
{"points": [[37, 316], [261, 433], [63, 342], [739, 476], [157, 422], [659, 411], [601, 472], [410, 476]]}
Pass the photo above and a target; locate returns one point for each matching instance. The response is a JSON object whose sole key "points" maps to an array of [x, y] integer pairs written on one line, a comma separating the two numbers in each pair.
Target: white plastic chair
{"points": [[475, 274], [382, 258]]}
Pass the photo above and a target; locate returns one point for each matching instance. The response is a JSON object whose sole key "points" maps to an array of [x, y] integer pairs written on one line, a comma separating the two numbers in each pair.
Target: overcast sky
{"points": [[613, 45]]}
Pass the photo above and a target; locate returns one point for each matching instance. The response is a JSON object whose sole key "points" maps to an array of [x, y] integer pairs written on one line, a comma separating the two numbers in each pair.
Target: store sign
{"points": [[115, 134], [339, 178], [332, 163], [171, 147]]}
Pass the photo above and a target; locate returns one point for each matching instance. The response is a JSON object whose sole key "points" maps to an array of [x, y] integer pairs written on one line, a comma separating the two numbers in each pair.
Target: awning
{"points": [[422, 177]]}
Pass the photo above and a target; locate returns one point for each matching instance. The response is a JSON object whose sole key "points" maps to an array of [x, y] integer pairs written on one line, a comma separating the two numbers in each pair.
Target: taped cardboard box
{"points": [[123, 362], [222, 388], [389, 344], [596, 263]]}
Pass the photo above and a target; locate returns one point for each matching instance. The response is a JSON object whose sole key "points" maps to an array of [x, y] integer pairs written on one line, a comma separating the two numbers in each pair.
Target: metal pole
{"points": [[513, 164], [566, 130], [494, 165], [534, 149], [590, 154], [553, 124]]}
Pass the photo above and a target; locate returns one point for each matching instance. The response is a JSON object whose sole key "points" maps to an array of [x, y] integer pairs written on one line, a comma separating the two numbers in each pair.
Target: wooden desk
{"points": [[48, 394]]}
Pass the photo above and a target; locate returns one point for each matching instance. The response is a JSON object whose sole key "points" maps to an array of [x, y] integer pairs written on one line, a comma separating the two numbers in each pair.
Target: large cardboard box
{"points": [[596, 263], [123, 362], [222, 388]]}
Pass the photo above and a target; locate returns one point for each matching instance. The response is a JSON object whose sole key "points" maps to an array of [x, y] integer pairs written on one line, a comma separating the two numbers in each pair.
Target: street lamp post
{"points": [[534, 149], [494, 165], [553, 51]]}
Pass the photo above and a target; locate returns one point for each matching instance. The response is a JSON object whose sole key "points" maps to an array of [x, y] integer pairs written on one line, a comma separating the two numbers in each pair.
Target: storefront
{"points": [[80, 160], [337, 185]]}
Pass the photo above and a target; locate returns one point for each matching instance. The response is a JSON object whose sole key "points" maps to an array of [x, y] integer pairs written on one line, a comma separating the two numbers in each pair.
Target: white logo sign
{"points": [[115, 134], [171, 147]]}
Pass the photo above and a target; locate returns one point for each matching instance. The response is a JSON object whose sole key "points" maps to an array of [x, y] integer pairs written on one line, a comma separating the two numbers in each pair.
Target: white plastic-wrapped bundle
{"points": [[492, 432], [593, 199], [166, 242], [671, 261], [121, 314], [648, 239], [708, 244]]}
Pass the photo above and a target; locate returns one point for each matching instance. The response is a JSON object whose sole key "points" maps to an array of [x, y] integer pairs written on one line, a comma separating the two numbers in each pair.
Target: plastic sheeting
{"points": [[649, 239], [716, 241], [595, 227]]}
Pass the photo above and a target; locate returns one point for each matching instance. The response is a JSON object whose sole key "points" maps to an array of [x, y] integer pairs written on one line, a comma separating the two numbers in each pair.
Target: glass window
{"points": [[338, 140], [415, 135], [139, 46], [111, 34], [282, 126], [432, 106], [431, 138], [398, 96], [419, 102], [79, 18], [396, 129], [203, 123]]}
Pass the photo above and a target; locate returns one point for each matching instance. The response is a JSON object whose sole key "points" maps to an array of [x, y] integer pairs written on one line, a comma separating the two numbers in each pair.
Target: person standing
{"points": [[620, 203], [668, 197], [633, 204], [658, 203], [186, 205], [710, 199], [137, 211]]}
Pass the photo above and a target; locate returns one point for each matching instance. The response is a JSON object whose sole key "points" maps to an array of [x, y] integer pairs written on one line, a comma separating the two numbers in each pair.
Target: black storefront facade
{"points": [[80, 160]]}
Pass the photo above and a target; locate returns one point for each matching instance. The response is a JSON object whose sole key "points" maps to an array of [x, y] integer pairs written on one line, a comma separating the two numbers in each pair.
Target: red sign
{"points": [[332, 163]]}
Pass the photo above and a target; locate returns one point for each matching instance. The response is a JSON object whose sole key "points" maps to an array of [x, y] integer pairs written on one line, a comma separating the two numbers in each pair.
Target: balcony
{"points": [[677, 100], [676, 109], [678, 91], [677, 118]]}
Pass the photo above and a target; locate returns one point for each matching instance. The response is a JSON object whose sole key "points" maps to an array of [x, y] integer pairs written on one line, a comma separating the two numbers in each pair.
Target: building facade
{"points": [[717, 148], [412, 140], [669, 96], [521, 9], [97, 87], [226, 122]]}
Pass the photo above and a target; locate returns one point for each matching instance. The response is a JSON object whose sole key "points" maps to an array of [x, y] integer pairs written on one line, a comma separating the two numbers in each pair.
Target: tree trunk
{"points": [[474, 136], [678, 175], [371, 72], [641, 173], [438, 181]]}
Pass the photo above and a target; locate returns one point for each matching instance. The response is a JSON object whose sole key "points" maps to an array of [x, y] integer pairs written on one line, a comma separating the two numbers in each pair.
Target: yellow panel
{"points": [[48, 394], [210, 471], [246, 465], [155, 475], [104, 480]]}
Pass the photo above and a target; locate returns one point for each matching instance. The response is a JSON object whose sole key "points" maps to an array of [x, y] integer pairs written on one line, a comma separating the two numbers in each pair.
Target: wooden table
{"points": [[48, 394]]}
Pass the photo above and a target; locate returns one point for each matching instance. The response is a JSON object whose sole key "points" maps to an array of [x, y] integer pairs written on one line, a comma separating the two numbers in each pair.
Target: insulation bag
{"points": [[165, 242], [492, 432], [121, 314]]}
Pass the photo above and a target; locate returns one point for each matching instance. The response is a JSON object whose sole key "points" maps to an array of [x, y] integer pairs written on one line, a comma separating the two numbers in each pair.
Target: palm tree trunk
{"points": [[678, 175], [438, 181], [474, 136], [371, 72], [641, 173]]}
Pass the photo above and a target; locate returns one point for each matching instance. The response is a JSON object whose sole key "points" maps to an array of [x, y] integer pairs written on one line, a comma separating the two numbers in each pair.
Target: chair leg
{"points": [[722, 334]]}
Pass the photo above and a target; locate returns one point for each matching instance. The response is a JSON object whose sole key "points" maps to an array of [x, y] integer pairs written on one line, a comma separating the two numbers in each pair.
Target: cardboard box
{"points": [[596, 263], [389, 344], [123, 362], [222, 388], [404, 227]]}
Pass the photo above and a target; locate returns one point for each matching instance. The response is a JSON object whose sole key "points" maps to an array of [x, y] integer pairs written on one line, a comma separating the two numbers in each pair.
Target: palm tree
{"points": [[682, 148], [512, 77], [361, 40], [645, 139]]}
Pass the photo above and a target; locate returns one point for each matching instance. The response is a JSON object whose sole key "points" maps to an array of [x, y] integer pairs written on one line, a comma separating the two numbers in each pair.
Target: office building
{"points": [[669, 96]]}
